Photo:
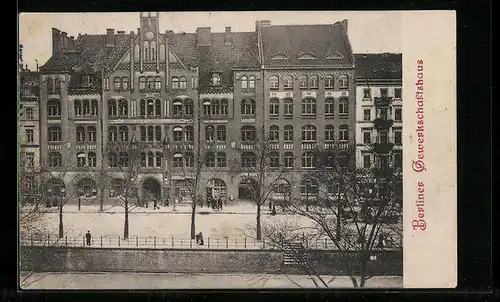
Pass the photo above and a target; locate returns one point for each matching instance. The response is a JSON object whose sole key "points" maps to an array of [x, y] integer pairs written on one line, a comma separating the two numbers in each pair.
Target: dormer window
{"points": [[307, 56], [280, 56], [87, 80], [216, 76], [334, 55]]}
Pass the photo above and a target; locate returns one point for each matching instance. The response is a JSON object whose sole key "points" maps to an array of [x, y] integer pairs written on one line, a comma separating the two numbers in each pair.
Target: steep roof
{"points": [[29, 78], [379, 66], [311, 43]]}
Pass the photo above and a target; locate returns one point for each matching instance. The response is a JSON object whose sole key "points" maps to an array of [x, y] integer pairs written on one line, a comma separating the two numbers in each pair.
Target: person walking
{"points": [[88, 238], [200, 238], [155, 204], [273, 212]]}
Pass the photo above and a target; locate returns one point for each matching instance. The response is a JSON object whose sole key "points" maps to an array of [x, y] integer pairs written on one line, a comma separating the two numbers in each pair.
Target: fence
{"points": [[244, 243]]}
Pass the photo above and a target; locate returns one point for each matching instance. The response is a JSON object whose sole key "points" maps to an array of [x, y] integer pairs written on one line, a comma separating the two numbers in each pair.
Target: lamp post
{"points": [[61, 226], [80, 193], [49, 197]]}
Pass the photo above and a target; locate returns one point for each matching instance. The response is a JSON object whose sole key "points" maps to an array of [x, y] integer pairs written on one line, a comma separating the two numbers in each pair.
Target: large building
{"points": [[182, 96]]}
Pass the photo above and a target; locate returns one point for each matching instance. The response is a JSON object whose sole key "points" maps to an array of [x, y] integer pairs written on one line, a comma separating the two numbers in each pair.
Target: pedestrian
{"points": [[79, 202], [155, 204], [208, 201], [219, 203], [197, 237], [212, 201], [200, 237], [270, 206], [88, 237], [381, 241], [273, 212], [167, 203]]}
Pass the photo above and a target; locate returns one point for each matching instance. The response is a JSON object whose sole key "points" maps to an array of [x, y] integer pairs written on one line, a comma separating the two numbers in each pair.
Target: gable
{"points": [[279, 56], [334, 55], [307, 56]]}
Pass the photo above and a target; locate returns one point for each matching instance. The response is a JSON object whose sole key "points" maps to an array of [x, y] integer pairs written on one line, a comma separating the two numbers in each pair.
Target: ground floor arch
{"points": [[86, 187], [216, 188], [151, 189], [248, 189]]}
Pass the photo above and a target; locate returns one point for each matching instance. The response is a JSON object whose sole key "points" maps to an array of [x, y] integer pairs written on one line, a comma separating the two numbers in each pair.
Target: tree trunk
{"points": [[61, 226], [101, 200], [125, 228], [259, 228], [193, 216], [339, 216]]}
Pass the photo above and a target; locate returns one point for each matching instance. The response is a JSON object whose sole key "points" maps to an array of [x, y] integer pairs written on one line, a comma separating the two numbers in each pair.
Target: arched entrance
{"points": [[151, 189], [248, 189], [87, 188], [216, 188]]}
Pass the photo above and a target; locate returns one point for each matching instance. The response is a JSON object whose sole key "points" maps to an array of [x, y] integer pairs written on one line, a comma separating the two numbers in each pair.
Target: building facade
{"points": [[187, 98]]}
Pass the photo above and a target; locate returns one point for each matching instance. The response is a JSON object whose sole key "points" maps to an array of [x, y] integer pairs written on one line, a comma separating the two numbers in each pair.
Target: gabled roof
{"points": [[379, 66], [29, 78], [294, 41]]}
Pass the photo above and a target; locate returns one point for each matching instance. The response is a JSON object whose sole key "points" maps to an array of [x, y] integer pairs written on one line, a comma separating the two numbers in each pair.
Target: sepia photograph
{"points": [[200, 150]]}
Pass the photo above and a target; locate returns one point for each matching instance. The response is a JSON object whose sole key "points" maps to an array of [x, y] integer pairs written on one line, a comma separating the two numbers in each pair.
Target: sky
{"points": [[368, 31]]}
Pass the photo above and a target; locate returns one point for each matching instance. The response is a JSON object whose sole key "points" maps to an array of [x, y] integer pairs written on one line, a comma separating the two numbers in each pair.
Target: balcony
{"points": [[180, 146], [383, 123], [215, 145], [383, 101], [382, 148], [86, 146], [84, 91], [288, 146], [334, 146], [247, 146], [309, 146]]}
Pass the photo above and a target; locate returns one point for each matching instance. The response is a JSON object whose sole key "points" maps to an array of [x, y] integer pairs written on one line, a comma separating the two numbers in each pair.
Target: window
{"points": [[383, 92], [367, 137], [92, 133], [153, 51], [30, 137], [343, 82], [150, 83], [55, 159], [223, 107], [383, 137], [123, 159], [106, 83], [125, 83], [366, 114], [215, 107], [175, 83], [329, 107], [329, 133], [274, 107], [398, 114], [384, 113], [123, 108], [54, 108], [221, 133], [343, 107], [333, 188], [251, 82], [143, 159], [92, 159], [367, 93], [94, 108], [150, 159], [216, 79], [157, 134], [54, 134], [206, 107], [143, 108], [367, 161], [288, 107], [111, 134], [158, 157], [178, 160], [248, 107], [308, 160], [288, 160], [328, 82], [288, 133], [330, 160], [157, 83], [248, 133], [308, 106], [177, 108], [57, 88], [274, 159], [142, 83], [50, 86], [274, 82], [111, 108], [288, 82], [274, 133], [189, 159], [123, 133], [209, 160], [80, 160], [86, 107], [78, 108], [29, 113], [303, 82], [143, 133], [314, 82], [117, 84], [244, 82], [398, 137], [248, 160], [182, 83], [177, 134], [188, 107], [308, 187], [188, 133], [30, 159], [80, 134], [343, 133], [397, 93], [145, 53], [398, 159], [221, 159], [209, 133], [308, 133]]}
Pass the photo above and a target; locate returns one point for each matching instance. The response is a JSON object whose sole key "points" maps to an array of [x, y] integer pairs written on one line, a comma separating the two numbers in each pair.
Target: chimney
{"points": [[110, 37], [64, 40], [344, 25], [228, 29], [228, 37], [203, 36], [56, 40], [262, 23], [71, 43]]}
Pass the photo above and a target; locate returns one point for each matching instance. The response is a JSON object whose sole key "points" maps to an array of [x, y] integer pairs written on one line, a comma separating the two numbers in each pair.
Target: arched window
{"points": [[221, 133], [80, 134], [57, 85], [162, 52], [274, 133], [343, 82], [248, 133], [248, 160], [308, 159], [182, 83], [123, 159], [221, 159], [125, 83], [137, 52], [343, 107], [288, 133], [251, 82], [123, 108], [145, 53], [92, 159], [177, 133], [206, 106], [86, 107], [57, 186], [112, 134], [178, 160], [158, 83], [117, 187], [117, 84], [189, 159], [157, 134], [288, 160], [142, 83], [314, 82], [210, 160], [111, 108], [151, 159], [143, 107], [274, 82], [143, 159], [247, 107], [188, 107], [158, 159], [150, 133], [328, 82], [303, 82], [54, 134], [80, 159], [223, 107], [274, 159], [50, 86], [87, 188], [288, 82], [308, 186], [308, 106], [244, 82], [329, 160], [92, 133], [124, 133], [274, 107], [78, 107], [153, 51], [188, 134], [343, 133], [94, 108], [143, 134], [54, 108], [329, 107], [157, 108], [215, 107], [177, 107], [288, 108], [329, 133], [209, 133], [55, 159], [150, 83], [175, 83], [308, 133], [150, 108]]}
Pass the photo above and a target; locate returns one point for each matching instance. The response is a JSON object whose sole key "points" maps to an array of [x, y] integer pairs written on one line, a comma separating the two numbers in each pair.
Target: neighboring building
{"points": [[379, 120], [184, 95]]}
